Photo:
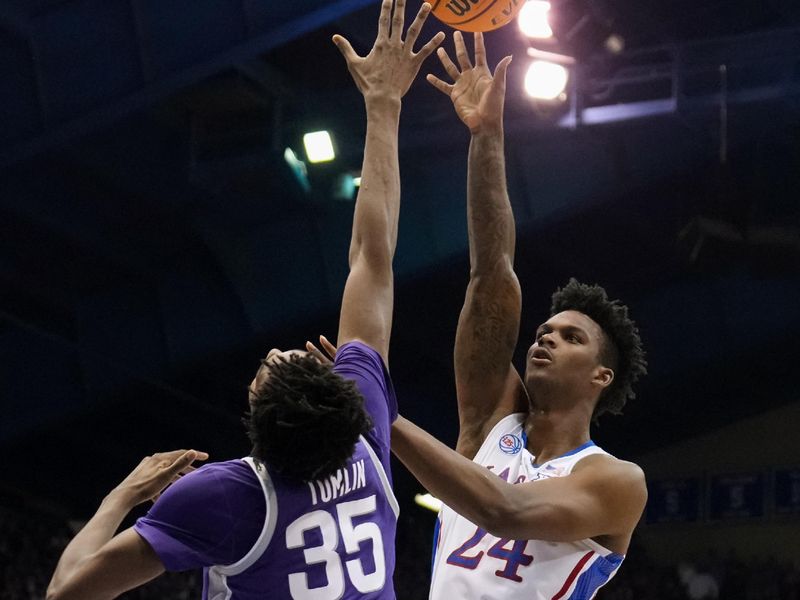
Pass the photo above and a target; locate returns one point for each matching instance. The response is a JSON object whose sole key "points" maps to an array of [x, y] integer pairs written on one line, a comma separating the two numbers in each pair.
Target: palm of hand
{"points": [[472, 97]]}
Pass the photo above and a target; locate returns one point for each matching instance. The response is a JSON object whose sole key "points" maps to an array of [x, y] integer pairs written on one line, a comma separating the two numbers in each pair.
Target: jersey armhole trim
{"points": [[382, 475], [270, 519], [501, 425]]}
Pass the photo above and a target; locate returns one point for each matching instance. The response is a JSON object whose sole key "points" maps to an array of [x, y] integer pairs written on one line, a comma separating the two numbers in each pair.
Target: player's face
{"points": [[566, 351], [263, 372]]}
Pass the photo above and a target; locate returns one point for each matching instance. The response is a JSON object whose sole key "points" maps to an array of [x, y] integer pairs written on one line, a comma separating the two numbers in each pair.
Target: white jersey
{"points": [[470, 563]]}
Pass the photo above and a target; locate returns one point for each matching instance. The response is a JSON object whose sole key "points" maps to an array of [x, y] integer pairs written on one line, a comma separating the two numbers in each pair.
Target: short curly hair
{"points": [[621, 351], [305, 419]]}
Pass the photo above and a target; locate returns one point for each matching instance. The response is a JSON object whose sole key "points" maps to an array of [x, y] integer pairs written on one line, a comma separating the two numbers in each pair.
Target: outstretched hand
{"points": [[392, 64], [477, 95], [155, 473]]}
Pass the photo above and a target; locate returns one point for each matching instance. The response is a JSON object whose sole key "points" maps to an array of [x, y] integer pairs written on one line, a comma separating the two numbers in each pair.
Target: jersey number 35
{"points": [[352, 536]]}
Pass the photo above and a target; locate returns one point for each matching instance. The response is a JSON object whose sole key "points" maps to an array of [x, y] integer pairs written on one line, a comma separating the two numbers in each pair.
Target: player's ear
{"points": [[603, 377]]}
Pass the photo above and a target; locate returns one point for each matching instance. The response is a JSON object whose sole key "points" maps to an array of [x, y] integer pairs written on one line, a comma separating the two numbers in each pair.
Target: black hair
{"points": [[621, 349], [305, 419]]}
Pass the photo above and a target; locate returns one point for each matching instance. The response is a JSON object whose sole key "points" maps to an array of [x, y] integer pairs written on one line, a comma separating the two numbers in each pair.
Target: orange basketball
{"points": [[476, 15]]}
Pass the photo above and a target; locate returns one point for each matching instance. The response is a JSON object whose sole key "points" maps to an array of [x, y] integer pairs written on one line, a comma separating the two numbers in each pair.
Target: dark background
{"points": [[154, 244]]}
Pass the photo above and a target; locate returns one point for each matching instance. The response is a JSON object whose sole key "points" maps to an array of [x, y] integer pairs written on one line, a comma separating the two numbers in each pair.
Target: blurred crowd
{"points": [[30, 544], [710, 577]]}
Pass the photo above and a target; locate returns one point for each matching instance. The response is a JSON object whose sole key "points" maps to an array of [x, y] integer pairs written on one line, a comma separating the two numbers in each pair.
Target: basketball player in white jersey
{"points": [[539, 512]]}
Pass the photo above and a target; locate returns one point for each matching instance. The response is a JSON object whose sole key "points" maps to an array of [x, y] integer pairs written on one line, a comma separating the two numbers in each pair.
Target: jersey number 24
{"points": [[514, 557]]}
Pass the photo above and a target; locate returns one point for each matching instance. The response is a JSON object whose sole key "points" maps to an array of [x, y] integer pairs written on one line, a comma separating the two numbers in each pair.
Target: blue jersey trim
{"points": [[588, 444], [436, 528], [596, 576]]}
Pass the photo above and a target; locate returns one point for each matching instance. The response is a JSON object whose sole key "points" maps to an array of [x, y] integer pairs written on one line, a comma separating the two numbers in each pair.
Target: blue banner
{"points": [[736, 496], [673, 500], [787, 491]]}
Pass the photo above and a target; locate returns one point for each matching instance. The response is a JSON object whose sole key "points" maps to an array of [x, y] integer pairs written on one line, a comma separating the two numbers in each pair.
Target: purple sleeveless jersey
{"points": [[259, 536]]}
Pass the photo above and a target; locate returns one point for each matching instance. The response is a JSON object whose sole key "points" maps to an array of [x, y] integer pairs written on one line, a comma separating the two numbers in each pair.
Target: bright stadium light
{"points": [[319, 146], [428, 501], [546, 80], [533, 19]]}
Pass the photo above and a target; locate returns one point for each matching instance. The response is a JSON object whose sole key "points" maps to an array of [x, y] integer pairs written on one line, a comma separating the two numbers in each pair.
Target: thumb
{"points": [[345, 48], [500, 72]]}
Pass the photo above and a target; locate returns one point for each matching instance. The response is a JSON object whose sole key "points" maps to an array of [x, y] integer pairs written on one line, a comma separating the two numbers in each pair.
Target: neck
{"points": [[555, 430]]}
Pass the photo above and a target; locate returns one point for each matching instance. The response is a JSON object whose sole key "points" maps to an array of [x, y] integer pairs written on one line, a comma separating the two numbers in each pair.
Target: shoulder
{"points": [[508, 424], [356, 352], [362, 364], [477, 427], [624, 478], [210, 516], [218, 484]]}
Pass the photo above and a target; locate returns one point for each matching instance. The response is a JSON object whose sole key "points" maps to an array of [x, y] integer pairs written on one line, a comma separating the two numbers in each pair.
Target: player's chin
{"points": [[538, 365], [536, 373]]}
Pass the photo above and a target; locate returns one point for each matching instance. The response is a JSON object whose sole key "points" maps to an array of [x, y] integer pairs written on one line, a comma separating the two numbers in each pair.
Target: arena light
{"points": [[344, 187], [428, 501], [319, 146], [533, 19], [546, 80], [298, 168]]}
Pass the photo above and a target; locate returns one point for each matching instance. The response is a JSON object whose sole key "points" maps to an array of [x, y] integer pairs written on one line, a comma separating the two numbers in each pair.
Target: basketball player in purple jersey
{"points": [[540, 512], [310, 514]]}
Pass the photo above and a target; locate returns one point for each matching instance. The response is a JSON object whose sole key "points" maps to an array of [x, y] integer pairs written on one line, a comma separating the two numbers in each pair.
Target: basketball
{"points": [[476, 15]]}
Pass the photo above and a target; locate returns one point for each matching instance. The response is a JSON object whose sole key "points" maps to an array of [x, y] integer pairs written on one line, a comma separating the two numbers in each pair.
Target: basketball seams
{"points": [[483, 20]]}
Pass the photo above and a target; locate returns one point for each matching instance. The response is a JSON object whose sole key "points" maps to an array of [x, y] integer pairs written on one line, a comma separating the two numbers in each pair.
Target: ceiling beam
{"points": [[114, 110]]}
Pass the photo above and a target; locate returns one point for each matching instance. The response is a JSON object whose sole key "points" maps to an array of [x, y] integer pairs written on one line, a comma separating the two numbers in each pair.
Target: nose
{"points": [[546, 339], [272, 353]]}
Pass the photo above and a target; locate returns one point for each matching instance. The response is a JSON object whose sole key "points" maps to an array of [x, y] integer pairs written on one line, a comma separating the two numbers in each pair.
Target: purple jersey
{"points": [[258, 535]]}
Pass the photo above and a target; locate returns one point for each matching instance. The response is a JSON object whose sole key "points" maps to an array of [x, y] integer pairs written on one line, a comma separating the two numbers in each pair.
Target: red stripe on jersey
{"points": [[573, 575]]}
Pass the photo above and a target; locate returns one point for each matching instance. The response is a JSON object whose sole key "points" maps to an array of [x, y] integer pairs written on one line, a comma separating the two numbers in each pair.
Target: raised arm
{"points": [[97, 565], [487, 385], [603, 497], [383, 77]]}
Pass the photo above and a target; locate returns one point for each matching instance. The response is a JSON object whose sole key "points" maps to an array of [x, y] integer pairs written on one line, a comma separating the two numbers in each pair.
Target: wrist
{"points": [[488, 132], [382, 102], [120, 498]]}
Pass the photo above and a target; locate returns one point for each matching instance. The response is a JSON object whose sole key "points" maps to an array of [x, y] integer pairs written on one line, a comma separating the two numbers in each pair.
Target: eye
{"points": [[573, 338]]}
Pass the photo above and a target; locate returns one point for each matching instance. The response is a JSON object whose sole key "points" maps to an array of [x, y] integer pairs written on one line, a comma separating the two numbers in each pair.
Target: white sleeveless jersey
{"points": [[470, 563]]}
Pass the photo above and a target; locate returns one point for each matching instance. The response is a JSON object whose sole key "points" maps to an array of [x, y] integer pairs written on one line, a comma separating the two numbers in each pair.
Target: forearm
{"points": [[94, 535], [489, 217], [468, 488], [488, 326], [378, 203]]}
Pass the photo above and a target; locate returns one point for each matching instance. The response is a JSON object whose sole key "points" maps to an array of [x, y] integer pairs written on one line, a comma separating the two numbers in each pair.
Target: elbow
{"points": [[490, 517], [58, 592], [493, 269], [517, 522], [53, 593], [376, 254], [506, 518]]}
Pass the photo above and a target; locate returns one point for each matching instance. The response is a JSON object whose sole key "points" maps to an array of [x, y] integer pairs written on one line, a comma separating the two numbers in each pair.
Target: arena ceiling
{"points": [[155, 244]]}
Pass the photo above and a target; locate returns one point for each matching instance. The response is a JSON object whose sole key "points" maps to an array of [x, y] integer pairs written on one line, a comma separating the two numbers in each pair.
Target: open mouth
{"points": [[541, 355]]}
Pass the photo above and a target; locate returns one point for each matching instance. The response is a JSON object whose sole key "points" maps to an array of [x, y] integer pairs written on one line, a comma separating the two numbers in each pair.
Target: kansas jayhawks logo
{"points": [[510, 444]]}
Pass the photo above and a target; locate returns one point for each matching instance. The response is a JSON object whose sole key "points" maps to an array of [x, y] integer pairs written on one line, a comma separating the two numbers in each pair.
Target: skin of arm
{"points": [[602, 497], [383, 77], [487, 385], [97, 565]]}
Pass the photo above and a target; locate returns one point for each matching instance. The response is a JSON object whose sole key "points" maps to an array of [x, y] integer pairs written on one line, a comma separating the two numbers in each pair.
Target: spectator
{"points": [[699, 583]]}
